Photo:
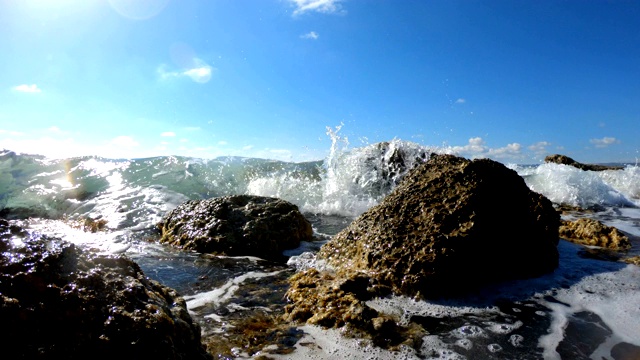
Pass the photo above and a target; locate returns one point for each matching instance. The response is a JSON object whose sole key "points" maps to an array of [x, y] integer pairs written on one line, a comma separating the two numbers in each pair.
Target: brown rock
{"points": [[635, 260], [242, 225], [562, 159], [594, 233], [449, 227], [324, 300]]}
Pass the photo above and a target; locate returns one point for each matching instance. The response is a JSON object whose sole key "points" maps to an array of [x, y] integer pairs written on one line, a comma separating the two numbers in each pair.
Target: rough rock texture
{"points": [[635, 260], [562, 159], [450, 226], [60, 302], [242, 225], [340, 302], [594, 233]]}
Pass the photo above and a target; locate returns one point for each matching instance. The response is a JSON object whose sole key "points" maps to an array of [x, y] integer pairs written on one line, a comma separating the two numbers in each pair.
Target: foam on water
{"points": [[569, 185], [320, 344], [613, 296], [225, 292], [608, 289], [627, 181]]}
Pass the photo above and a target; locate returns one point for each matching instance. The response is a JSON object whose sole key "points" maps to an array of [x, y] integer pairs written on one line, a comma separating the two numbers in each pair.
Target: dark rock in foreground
{"points": [[60, 302], [565, 160], [593, 233], [242, 225]]}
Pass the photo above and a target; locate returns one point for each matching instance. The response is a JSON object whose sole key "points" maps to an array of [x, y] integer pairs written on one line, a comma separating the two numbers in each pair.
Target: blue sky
{"points": [[511, 80]]}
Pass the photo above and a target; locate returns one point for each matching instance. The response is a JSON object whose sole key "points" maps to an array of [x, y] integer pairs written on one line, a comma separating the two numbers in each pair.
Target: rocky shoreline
{"points": [[449, 221]]}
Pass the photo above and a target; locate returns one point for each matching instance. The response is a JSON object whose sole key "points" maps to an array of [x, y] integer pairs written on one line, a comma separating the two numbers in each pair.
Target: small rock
{"points": [[565, 160], [594, 233], [242, 225]]}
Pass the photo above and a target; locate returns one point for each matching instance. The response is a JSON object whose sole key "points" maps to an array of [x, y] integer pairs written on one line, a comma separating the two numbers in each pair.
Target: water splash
{"points": [[569, 185]]}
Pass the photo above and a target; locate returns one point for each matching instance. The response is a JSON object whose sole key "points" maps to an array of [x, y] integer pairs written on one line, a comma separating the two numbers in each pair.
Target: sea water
{"points": [[587, 308]]}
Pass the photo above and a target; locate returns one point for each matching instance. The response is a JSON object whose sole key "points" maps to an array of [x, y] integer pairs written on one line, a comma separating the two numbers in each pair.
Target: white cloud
{"points": [[604, 142], [461, 101], [511, 150], [33, 88], [168, 134], [476, 148], [200, 74], [321, 6], [539, 147], [199, 71], [222, 142], [310, 35], [247, 147]]}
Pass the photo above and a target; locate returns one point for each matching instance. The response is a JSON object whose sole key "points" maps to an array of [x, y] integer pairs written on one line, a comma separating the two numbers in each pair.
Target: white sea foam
{"points": [[320, 344], [627, 181], [613, 296], [569, 185], [219, 295]]}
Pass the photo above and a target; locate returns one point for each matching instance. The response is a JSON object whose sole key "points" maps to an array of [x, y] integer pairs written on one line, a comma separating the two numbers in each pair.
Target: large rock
{"points": [[562, 159], [594, 233], [242, 225], [449, 227], [60, 302]]}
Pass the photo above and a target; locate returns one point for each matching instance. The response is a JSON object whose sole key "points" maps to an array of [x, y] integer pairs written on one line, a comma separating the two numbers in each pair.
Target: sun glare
{"points": [[138, 9]]}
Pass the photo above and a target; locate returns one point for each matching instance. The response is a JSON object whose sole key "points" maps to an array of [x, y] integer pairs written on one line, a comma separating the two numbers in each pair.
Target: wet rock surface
{"points": [[451, 226], [58, 301], [584, 332], [592, 232], [565, 160], [451, 221], [635, 260], [336, 302], [242, 225]]}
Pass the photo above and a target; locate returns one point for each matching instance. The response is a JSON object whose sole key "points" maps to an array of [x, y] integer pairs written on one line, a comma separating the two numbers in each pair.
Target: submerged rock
{"points": [[594, 233], [449, 227], [241, 225], [562, 159], [58, 301]]}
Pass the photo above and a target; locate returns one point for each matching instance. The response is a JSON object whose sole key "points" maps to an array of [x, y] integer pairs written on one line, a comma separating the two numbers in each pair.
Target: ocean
{"points": [[587, 309]]}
